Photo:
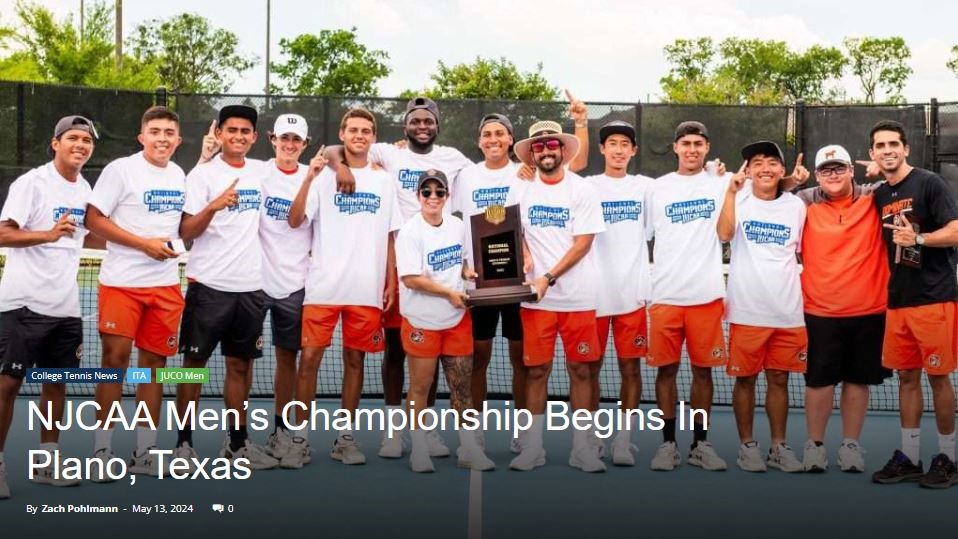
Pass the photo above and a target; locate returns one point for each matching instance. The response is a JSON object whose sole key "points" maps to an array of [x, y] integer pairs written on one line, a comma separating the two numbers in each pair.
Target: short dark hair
{"points": [[159, 112], [358, 112], [888, 125]]}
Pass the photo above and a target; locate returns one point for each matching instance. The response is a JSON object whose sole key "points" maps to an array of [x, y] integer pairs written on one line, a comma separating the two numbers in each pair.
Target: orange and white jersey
{"points": [[687, 254], [764, 281]]}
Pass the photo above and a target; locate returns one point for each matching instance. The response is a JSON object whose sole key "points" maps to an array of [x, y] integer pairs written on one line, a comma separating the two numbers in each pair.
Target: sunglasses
{"points": [[832, 171], [427, 193], [551, 144]]}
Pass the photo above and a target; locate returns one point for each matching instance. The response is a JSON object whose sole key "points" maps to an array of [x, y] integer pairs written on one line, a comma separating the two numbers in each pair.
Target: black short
{"points": [[486, 319], [234, 320], [29, 339], [286, 319], [845, 349]]}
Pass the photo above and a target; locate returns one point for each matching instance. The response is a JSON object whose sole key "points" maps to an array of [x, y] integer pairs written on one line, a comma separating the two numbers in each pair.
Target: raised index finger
{"points": [[569, 96], [233, 185], [798, 160], [321, 151], [212, 128]]}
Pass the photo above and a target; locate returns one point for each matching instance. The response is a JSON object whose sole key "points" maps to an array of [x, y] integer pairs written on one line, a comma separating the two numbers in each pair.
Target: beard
{"points": [[548, 164], [421, 146]]}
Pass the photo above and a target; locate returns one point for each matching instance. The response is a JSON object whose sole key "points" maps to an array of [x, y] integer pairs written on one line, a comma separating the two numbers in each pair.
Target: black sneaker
{"points": [[899, 468], [941, 474]]}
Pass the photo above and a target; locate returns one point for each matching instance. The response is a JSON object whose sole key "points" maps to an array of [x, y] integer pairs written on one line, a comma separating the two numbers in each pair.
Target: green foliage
{"points": [[20, 66], [953, 62], [880, 63], [330, 63], [488, 79], [189, 54]]}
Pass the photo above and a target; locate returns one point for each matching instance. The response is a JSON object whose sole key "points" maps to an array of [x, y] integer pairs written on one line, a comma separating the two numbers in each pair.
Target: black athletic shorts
{"points": [[286, 319], [845, 349], [234, 320], [486, 319], [29, 339]]}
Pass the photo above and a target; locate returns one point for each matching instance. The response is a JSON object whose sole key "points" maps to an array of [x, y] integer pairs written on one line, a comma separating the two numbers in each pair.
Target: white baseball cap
{"points": [[291, 123], [833, 153]]}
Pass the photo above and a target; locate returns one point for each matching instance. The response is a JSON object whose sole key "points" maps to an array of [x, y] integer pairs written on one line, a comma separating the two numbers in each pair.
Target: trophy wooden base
{"points": [[500, 295]]}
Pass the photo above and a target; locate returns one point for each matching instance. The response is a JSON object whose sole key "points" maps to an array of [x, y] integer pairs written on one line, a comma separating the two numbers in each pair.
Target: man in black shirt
{"points": [[920, 220]]}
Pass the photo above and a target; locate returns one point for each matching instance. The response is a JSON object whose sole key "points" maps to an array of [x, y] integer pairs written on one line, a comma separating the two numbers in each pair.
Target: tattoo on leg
{"points": [[459, 377]]}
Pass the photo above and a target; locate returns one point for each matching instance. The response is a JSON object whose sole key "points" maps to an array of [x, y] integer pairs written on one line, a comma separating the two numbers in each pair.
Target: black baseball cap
{"points": [[495, 117], [691, 128], [617, 127], [237, 111], [434, 175], [424, 103], [74, 122], [763, 147]]}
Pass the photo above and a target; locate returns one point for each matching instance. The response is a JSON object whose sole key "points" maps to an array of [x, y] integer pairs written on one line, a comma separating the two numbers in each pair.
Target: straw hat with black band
{"points": [[547, 130]]}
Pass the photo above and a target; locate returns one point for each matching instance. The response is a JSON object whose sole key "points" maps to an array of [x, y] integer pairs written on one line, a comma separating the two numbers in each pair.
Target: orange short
{"points": [[925, 336], [430, 343], [753, 349], [700, 326], [361, 326], [391, 318], [580, 338], [149, 315], [629, 333]]}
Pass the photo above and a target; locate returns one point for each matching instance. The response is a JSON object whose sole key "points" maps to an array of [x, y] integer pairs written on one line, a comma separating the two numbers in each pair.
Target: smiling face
{"points": [[691, 151], [73, 149], [835, 179], [160, 137], [421, 128], [765, 171], [357, 135], [430, 200], [888, 151], [288, 146], [547, 155], [494, 141], [237, 136], [617, 150]]}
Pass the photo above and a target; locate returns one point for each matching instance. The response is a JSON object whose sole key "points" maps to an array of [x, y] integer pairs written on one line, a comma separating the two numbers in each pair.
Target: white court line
{"points": [[475, 504]]}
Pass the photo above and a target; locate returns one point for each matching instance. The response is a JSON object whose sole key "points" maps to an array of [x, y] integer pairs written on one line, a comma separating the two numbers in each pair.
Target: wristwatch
{"points": [[551, 278], [919, 240]]}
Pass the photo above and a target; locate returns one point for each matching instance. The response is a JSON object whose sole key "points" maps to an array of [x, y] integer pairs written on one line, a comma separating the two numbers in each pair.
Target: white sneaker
{"points": [[515, 446], [346, 450], [437, 446], [420, 462], [186, 451], [622, 450], [705, 457], [666, 457], [782, 457], [598, 445], [103, 455], [145, 464], [279, 443], [529, 459], [297, 456], [392, 447], [258, 459], [586, 459], [750, 457], [474, 459], [481, 439], [45, 476], [815, 458], [4, 488], [851, 458]]}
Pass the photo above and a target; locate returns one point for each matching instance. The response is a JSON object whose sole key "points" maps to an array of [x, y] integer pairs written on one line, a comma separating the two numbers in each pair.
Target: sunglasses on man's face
{"points": [[427, 193], [551, 144]]}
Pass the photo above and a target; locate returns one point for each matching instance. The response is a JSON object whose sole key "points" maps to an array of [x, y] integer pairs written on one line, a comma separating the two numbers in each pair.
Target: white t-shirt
{"points": [[435, 252], [145, 200], [285, 249], [226, 256], [552, 215], [406, 166], [621, 251], [479, 187], [687, 254], [43, 278], [764, 283], [350, 238]]}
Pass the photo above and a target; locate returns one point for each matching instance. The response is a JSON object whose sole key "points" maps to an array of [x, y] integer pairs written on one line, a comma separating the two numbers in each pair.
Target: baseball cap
{"points": [[691, 128], [763, 147], [833, 153], [617, 127], [237, 111], [74, 122], [435, 175], [495, 117], [291, 123], [424, 103]]}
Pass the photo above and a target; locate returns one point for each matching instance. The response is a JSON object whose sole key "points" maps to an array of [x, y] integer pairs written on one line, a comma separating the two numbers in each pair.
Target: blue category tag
{"points": [[138, 376], [76, 376]]}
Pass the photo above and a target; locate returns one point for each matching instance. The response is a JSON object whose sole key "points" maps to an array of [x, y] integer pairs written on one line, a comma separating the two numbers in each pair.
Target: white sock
{"points": [[345, 432], [49, 447], [533, 438], [911, 444], [103, 439], [389, 413], [581, 439], [145, 439], [418, 438], [946, 445], [467, 440]]}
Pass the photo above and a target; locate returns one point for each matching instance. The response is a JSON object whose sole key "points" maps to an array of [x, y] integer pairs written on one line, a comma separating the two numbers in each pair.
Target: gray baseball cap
{"points": [[495, 117], [424, 103], [74, 122]]}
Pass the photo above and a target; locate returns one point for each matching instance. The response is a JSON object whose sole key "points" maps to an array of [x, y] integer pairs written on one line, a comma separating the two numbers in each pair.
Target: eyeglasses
{"points": [[832, 171], [427, 193], [551, 144]]}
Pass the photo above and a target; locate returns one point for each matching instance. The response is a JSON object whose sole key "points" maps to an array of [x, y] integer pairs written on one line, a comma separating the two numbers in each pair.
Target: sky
{"points": [[601, 50]]}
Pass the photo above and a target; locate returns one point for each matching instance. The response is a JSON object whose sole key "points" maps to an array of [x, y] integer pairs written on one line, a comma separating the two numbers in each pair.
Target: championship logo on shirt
{"points": [[759, 232], [546, 216], [409, 179], [445, 258], [246, 199], [77, 215], [357, 203], [615, 211], [164, 200], [690, 210], [277, 208], [490, 196]]}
